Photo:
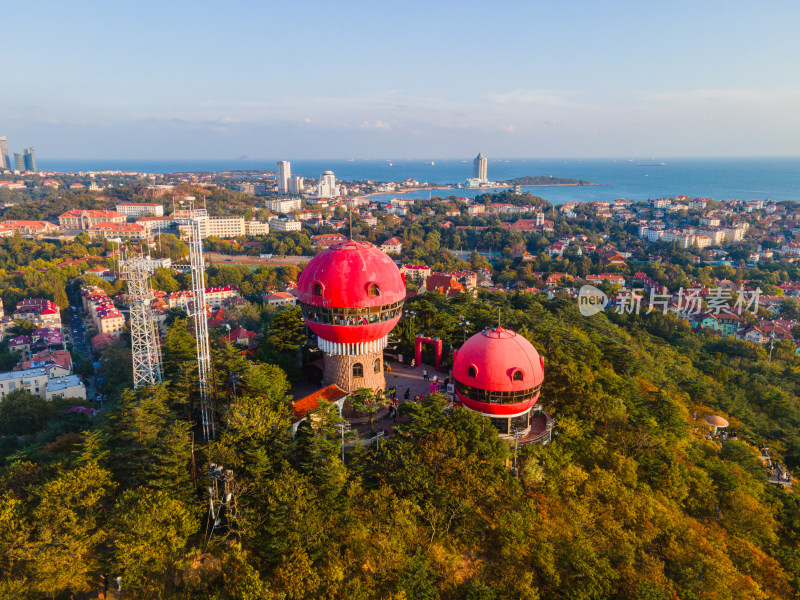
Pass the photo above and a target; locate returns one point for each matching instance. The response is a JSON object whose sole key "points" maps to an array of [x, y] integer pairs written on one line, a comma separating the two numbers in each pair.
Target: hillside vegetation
{"points": [[630, 500]]}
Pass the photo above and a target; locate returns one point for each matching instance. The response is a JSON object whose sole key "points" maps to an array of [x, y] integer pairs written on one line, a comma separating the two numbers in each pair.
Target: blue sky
{"points": [[401, 79]]}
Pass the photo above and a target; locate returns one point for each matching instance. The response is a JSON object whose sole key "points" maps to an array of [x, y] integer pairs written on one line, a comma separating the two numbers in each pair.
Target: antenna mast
{"points": [[145, 348], [197, 219]]}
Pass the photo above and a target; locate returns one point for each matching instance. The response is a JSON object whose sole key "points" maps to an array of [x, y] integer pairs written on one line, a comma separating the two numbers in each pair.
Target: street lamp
{"points": [[464, 326], [410, 314]]}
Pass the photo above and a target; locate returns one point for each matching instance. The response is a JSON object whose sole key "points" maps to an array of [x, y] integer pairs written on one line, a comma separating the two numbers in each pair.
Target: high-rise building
{"points": [[19, 161], [284, 173], [30, 159], [480, 168], [327, 186], [296, 185], [5, 159]]}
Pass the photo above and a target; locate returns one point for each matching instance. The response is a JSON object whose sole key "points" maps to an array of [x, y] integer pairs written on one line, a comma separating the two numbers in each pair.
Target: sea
{"points": [[635, 179]]}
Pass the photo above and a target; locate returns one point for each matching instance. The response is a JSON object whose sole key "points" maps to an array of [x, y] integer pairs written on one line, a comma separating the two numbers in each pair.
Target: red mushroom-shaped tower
{"points": [[499, 373], [352, 297]]}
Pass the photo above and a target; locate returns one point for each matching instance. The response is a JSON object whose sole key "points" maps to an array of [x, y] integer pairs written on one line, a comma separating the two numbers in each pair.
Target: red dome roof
{"points": [[346, 271], [499, 360], [352, 275]]}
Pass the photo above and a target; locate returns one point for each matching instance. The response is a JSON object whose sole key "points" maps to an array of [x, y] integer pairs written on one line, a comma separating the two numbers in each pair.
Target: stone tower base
{"points": [[340, 370]]}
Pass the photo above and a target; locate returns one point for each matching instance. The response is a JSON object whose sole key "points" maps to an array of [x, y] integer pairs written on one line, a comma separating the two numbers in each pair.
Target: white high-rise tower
{"points": [[5, 159], [480, 168], [283, 174], [327, 187]]}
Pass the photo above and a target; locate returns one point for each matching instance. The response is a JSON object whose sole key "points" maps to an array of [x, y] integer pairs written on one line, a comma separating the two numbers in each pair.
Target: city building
{"points": [[140, 209], [352, 296], [156, 223], [19, 162], [86, 219], [103, 316], [216, 296], [416, 273], [29, 159], [283, 205], [480, 169], [221, 226], [59, 360], [499, 374], [254, 227], [325, 240], [280, 299], [296, 185], [394, 245], [39, 311], [285, 225], [327, 185], [282, 175], [38, 382], [5, 159], [125, 231], [255, 189], [30, 227]]}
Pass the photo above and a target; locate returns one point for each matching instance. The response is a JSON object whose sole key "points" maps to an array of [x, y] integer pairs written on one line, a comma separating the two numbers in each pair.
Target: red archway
{"points": [[437, 349]]}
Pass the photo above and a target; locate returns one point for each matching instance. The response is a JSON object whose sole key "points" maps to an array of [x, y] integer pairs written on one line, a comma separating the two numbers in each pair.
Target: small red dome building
{"points": [[499, 373], [352, 296]]}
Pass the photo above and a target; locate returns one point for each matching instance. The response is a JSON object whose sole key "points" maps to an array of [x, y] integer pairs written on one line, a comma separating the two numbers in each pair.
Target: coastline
{"points": [[486, 189]]}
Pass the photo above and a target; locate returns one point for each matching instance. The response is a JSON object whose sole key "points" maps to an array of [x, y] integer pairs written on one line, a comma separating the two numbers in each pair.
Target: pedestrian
{"points": [[416, 399], [394, 414], [407, 395], [425, 374], [413, 363]]}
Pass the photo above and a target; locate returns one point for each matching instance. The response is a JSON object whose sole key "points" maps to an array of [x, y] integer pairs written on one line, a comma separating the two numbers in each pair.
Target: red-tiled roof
{"points": [[96, 214], [117, 227], [303, 406]]}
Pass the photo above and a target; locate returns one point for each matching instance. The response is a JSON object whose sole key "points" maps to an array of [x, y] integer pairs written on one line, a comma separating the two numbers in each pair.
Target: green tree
{"points": [[149, 539]]}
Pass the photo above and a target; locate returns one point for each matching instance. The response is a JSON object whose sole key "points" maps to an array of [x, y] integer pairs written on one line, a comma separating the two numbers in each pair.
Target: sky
{"points": [[411, 79]]}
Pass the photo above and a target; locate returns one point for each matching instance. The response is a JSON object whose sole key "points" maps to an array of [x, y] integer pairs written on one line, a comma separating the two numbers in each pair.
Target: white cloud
{"points": [[377, 124]]}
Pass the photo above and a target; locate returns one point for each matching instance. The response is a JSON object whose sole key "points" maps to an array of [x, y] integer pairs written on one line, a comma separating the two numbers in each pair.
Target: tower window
{"points": [[376, 367], [318, 289], [373, 290], [472, 372], [517, 376], [358, 370]]}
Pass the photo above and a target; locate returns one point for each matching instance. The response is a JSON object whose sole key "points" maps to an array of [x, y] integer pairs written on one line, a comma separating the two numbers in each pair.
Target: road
{"points": [[77, 332]]}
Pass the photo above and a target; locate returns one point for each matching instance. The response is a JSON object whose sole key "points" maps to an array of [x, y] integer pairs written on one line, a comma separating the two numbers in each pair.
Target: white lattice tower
{"points": [[196, 217], [145, 348]]}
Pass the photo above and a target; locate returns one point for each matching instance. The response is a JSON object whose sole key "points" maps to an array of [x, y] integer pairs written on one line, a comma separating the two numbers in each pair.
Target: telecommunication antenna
{"points": [[197, 219], [221, 502], [145, 348]]}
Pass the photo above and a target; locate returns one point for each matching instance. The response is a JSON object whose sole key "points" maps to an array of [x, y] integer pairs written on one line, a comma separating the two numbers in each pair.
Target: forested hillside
{"points": [[630, 499]]}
